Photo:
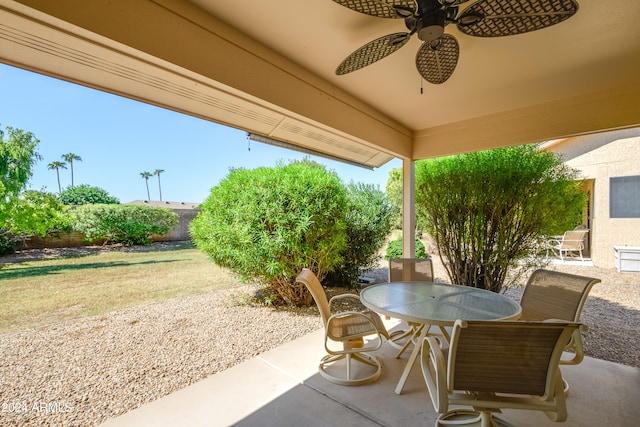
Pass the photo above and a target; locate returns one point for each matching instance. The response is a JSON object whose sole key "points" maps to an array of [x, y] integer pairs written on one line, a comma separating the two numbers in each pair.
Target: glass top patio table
{"points": [[438, 304]]}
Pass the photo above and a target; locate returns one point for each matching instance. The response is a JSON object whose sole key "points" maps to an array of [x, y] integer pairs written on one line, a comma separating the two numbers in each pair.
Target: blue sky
{"points": [[118, 138]]}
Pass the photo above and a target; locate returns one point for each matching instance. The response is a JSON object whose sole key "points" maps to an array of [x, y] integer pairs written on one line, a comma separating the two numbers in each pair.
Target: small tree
{"points": [[368, 220], [266, 224], [487, 210], [34, 213], [85, 194], [126, 224], [17, 156], [394, 194]]}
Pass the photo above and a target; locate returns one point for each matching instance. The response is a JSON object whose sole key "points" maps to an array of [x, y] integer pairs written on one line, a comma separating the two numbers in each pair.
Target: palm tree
{"points": [[57, 166], [69, 158], [146, 176], [158, 172]]}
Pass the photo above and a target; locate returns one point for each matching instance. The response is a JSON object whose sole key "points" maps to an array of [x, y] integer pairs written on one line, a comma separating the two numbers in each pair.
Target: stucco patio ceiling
{"points": [[268, 67]]}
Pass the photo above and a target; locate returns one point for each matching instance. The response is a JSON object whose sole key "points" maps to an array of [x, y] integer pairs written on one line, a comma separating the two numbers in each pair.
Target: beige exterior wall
{"points": [[600, 157]]}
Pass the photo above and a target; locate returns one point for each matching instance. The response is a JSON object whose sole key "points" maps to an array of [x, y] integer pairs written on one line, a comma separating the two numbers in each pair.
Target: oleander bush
{"points": [[127, 224], [85, 194], [266, 224], [369, 222]]}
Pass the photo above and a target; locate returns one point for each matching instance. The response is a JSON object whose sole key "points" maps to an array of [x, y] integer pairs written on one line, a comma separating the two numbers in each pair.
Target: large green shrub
{"points": [[126, 224], [266, 224], [394, 250], [368, 221], [32, 213], [487, 210], [86, 194]]}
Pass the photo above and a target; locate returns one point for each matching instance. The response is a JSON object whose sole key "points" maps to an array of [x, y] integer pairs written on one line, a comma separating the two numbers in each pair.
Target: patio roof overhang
{"points": [[268, 68]]}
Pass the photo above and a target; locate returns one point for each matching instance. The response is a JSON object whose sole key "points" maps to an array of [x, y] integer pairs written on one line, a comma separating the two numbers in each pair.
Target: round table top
{"points": [[437, 303]]}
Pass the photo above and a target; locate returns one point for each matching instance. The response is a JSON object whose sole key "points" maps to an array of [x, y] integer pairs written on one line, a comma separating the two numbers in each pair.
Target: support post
{"points": [[408, 208]]}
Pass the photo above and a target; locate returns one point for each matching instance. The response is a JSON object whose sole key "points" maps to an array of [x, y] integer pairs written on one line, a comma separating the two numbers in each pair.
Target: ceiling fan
{"points": [[437, 57]]}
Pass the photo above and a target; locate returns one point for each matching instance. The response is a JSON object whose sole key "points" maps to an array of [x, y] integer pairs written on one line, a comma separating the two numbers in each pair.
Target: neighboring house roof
{"points": [[163, 204]]}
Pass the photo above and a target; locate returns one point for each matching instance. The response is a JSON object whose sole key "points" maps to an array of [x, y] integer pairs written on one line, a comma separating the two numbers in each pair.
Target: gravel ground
{"points": [[80, 373]]}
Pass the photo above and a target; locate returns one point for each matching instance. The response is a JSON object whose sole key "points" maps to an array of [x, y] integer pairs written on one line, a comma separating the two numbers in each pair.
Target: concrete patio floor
{"points": [[283, 388]]}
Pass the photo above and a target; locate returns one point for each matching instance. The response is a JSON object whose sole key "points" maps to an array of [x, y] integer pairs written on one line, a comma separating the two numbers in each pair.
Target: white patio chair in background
{"points": [[571, 243]]}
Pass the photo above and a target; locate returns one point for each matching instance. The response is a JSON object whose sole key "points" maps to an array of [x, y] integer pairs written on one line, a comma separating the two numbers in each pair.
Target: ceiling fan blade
{"points": [[496, 18], [436, 60], [372, 52], [379, 8]]}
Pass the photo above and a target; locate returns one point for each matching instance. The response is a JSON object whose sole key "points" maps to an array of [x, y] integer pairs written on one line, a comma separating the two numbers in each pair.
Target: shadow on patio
{"points": [[282, 387]]}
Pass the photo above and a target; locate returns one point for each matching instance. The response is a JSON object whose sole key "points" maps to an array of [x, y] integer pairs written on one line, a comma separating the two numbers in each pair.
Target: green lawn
{"points": [[37, 293]]}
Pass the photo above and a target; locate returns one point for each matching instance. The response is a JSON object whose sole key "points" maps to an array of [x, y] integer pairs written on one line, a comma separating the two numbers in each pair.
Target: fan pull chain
{"points": [[421, 86]]}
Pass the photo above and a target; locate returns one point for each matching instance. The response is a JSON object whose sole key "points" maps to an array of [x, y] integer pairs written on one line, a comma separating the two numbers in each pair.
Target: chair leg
{"points": [[349, 358], [414, 332], [460, 417], [471, 418]]}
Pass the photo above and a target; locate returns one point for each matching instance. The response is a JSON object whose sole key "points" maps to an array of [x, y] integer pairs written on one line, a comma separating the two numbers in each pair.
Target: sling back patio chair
{"points": [[344, 337], [497, 364], [570, 243], [556, 295], [408, 270]]}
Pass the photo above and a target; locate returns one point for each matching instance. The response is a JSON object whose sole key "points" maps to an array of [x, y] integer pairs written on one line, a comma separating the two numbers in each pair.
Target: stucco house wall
{"points": [[600, 157]]}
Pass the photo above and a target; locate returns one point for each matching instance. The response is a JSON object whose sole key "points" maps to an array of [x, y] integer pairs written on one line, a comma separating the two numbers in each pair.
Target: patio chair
{"points": [[408, 270], [570, 243], [556, 295], [497, 364], [344, 337]]}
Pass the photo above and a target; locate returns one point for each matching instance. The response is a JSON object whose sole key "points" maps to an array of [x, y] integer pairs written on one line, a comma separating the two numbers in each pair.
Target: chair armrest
{"points": [[344, 296], [553, 241], [575, 344]]}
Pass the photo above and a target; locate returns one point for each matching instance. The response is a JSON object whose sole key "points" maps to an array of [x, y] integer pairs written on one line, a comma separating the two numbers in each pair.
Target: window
{"points": [[624, 197]]}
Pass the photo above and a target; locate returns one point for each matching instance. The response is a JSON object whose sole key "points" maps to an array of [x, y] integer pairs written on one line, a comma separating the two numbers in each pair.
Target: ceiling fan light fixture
{"points": [[431, 27]]}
